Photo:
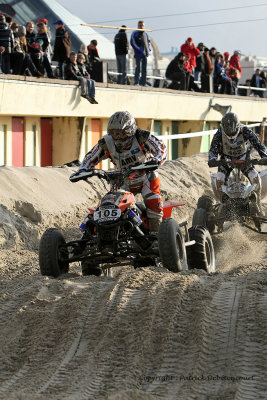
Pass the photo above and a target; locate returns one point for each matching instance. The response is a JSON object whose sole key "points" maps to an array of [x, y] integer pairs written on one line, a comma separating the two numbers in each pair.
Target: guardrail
{"points": [[160, 78], [201, 133]]}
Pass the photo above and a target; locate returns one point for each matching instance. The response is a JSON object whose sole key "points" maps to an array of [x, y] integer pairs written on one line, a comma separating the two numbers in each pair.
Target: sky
{"points": [[213, 22]]}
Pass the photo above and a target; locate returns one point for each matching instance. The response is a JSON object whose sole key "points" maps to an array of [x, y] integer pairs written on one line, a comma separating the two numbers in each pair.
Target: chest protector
{"points": [[236, 149], [127, 158]]}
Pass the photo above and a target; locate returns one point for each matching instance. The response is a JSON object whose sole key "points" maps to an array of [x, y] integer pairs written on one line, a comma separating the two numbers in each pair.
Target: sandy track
{"points": [[141, 334]]}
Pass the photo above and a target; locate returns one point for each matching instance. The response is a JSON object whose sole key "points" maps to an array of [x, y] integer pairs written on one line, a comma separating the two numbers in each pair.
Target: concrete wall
{"points": [[72, 115]]}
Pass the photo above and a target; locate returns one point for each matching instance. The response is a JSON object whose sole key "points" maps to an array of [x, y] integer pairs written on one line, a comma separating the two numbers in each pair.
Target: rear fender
{"points": [[169, 205]]}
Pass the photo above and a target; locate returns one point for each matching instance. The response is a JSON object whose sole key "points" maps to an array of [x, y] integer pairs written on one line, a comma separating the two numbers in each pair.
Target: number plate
{"points": [[108, 213]]}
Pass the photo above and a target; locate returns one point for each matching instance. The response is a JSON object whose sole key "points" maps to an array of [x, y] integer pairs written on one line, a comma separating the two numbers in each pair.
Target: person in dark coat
{"points": [[176, 72], [121, 50], [256, 82], [6, 45], [30, 34], [62, 46]]}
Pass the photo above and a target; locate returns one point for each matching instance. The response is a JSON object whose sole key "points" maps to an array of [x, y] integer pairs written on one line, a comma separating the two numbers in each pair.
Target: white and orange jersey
{"points": [[144, 148]]}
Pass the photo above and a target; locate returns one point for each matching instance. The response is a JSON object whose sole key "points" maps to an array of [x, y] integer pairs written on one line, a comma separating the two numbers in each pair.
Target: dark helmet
{"points": [[230, 125], [122, 127]]}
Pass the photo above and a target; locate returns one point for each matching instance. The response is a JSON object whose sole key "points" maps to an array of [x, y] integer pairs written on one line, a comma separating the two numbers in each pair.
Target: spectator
{"points": [[96, 64], [40, 58], [189, 49], [30, 34], [6, 45], [220, 77], [226, 56], [176, 72], [212, 55], [62, 46], [199, 69], [48, 50], [235, 63], [21, 60], [141, 46], [245, 92], [256, 82], [93, 52], [263, 81], [83, 50], [85, 73], [121, 51], [232, 73], [72, 72], [9, 21], [206, 76], [43, 35]]}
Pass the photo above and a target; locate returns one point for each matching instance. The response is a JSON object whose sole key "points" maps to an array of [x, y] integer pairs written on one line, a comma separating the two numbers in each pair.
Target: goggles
{"points": [[119, 134]]}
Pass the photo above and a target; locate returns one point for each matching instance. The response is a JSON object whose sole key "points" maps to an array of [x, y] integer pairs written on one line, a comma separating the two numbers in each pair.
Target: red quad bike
{"points": [[115, 233]]}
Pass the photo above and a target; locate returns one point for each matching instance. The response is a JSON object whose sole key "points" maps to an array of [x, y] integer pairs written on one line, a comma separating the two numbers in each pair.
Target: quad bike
{"points": [[239, 200], [115, 233]]}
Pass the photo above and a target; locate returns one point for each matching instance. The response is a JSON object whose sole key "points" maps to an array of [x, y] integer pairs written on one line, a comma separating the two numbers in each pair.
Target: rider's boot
{"points": [[153, 225], [257, 182]]}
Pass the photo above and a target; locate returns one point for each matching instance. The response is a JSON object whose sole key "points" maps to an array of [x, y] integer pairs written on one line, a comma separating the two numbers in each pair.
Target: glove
{"points": [[153, 162], [262, 161], [78, 175], [213, 163]]}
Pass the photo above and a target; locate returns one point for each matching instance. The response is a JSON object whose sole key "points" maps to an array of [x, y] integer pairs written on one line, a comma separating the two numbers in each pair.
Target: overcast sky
{"points": [[213, 22]]}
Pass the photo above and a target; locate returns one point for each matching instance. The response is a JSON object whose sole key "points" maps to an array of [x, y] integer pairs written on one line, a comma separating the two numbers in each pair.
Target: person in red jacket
{"points": [[189, 49], [235, 64]]}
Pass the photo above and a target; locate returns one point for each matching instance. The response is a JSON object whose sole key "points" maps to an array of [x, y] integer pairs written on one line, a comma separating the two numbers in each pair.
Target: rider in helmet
{"points": [[128, 146], [234, 141]]}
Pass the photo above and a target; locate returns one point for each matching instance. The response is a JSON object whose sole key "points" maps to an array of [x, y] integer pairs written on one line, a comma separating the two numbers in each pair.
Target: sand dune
{"points": [[136, 335]]}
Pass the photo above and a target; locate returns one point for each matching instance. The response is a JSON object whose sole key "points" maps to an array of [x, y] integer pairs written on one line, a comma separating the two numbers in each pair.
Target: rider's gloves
{"points": [[213, 163], [262, 161], [153, 162], [76, 176]]}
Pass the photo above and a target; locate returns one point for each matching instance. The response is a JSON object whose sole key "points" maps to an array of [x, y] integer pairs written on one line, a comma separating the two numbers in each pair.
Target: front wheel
{"points": [[201, 255], [53, 253], [171, 246]]}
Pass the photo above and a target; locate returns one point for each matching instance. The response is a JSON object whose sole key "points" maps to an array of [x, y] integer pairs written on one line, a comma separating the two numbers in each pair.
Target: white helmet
{"points": [[230, 126], [122, 127]]}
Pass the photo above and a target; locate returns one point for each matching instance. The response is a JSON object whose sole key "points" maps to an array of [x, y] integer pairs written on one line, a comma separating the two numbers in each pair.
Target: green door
{"points": [[157, 128], [206, 139]]}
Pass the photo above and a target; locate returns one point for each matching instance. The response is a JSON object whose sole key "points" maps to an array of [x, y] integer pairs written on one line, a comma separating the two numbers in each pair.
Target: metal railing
{"points": [[162, 79]]}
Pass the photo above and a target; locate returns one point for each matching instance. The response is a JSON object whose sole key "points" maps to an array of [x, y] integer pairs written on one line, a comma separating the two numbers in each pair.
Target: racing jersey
{"points": [[220, 146], [144, 147]]}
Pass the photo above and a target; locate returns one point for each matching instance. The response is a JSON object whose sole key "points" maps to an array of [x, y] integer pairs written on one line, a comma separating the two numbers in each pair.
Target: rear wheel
{"points": [[171, 246], [201, 255], [53, 253]]}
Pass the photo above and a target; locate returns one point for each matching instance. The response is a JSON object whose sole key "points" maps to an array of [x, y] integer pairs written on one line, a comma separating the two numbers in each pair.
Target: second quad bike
{"points": [[115, 233], [239, 200]]}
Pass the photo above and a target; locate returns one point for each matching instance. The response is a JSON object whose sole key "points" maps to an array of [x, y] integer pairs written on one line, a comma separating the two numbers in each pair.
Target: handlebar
{"points": [[236, 163], [109, 176]]}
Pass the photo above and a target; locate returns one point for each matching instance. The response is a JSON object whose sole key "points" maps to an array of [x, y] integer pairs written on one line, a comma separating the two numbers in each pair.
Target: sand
{"points": [[135, 335]]}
